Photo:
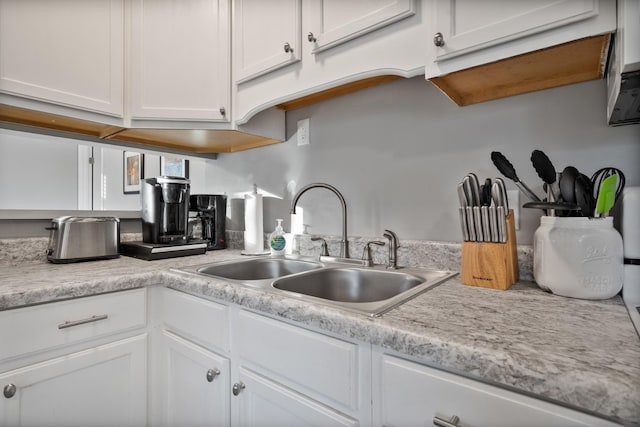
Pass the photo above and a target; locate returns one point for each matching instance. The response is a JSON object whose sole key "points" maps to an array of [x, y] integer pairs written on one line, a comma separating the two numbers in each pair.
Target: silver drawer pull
{"points": [[71, 323], [451, 422]]}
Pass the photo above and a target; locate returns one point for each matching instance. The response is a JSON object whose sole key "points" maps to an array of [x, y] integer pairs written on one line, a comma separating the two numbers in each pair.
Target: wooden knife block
{"points": [[491, 265]]}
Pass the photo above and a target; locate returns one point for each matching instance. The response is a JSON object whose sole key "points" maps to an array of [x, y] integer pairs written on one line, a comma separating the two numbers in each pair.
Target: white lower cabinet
{"points": [[101, 386], [75, 363], [221, 365], [259, 402], [411, 394], [195, 390], [285, 375]]}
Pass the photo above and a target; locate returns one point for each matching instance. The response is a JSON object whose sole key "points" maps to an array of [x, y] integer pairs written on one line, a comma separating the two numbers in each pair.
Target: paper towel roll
{"points": [[253, 234]]}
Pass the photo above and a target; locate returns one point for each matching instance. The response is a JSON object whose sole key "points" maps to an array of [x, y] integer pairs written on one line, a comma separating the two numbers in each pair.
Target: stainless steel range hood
{"points": [[623, 77]]}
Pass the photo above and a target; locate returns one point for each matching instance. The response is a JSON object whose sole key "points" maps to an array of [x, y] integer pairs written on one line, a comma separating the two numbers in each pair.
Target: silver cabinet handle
{"points": [[311, 38], [223, 111], [238, 387], [438, 39], [71, 323], [451, 422], [288, 48], [9, 391], [212, 374]]}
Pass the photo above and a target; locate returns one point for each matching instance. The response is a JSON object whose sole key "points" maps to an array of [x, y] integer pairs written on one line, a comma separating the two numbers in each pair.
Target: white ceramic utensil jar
{"points": [[578, 257]]}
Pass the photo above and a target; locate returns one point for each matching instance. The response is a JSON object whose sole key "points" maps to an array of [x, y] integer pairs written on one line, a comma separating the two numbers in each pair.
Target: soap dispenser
{"points": [[277, 242]]}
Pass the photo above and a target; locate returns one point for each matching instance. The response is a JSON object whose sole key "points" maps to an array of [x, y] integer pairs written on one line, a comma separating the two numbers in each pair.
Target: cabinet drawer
{"points": [[312, 362], [413, 394], [199, 320], [42, 327]]}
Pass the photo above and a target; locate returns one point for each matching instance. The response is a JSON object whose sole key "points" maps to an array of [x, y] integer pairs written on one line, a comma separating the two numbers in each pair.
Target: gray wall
{"points": [[397, 152]]}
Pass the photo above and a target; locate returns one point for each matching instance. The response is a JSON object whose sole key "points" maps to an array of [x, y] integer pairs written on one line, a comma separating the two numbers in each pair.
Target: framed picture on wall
{"points": [[133, 172], [174, 166]]}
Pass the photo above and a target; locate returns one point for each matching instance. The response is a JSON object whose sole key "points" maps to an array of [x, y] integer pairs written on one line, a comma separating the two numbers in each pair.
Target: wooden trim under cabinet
{"points": [[196, 141], [574, 62], [23, 116], [336, 91]]}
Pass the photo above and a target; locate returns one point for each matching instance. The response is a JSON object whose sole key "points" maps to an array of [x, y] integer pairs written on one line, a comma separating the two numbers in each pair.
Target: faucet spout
{"points": [[344, 244]]}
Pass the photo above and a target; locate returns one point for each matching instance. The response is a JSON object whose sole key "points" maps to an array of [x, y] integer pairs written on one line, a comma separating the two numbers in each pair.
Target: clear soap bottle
{"points": [[277, 241]]}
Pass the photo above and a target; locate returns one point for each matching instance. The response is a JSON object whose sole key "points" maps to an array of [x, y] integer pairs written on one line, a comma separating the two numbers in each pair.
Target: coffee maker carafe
{"points": [[212, 212], [165, 210]]}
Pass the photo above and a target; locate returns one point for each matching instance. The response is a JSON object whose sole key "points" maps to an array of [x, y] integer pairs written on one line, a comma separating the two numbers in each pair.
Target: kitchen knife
{"points": [[502, 224], [485, 193], [463, 223], [475, 188], [466, 187], [462, 197], [471, 224], [477, 221], [503, 191], [486, 229], [493, 223]]}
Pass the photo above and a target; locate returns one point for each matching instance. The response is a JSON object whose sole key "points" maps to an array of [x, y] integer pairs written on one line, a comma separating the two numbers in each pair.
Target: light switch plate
{"points": [[303, 132]]}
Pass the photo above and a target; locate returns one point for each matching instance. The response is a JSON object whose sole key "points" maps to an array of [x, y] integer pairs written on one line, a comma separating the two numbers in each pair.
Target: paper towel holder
{"points": [[253, 225]]}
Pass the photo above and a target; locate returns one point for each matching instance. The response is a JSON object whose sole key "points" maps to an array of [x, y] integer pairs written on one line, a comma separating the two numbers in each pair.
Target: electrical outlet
{"points": [[303, 132], [514, 203]]}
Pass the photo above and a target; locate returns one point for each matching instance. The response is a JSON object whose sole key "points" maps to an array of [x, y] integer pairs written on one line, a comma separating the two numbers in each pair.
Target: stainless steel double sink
{"points": [[345, 284]]}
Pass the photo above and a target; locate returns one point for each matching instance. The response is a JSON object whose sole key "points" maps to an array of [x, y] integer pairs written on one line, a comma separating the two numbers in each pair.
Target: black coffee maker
{"points": [[165, 210], [212, 212], [165, 219]]}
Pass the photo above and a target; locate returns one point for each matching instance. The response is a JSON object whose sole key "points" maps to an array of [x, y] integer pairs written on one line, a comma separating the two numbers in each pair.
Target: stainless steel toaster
{"points": [[79, 239]]}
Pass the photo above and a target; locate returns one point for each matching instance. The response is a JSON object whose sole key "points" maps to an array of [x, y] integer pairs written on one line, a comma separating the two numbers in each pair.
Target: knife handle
{"points": [[470, 224], [477, 217], [463, 224], [502, 224], [493, 226], [486, 230]]}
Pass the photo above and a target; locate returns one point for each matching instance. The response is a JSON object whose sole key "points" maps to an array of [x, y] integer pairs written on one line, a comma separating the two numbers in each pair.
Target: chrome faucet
{"points": [[344, 243], [393, 249]]}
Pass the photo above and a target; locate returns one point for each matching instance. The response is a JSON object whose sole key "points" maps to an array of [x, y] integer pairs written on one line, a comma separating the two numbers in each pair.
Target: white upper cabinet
{"points": [[467, 33], [180, 60], [65, 52], [340, 42], [267, 35], [338, 21]]}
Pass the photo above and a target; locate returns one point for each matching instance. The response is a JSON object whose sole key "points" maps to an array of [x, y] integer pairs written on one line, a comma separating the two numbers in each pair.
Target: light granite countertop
{"points": [[582, 354]]}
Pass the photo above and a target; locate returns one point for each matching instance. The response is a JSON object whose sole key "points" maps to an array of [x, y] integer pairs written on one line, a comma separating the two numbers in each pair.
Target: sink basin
{"points": [[367, 291], [349, 284], [371, 291], [258, 268]]}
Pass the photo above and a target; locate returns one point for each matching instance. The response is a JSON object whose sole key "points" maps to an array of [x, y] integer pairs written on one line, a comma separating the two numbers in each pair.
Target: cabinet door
{"points": [[415, 395], [469, 25], [196, 384], [180, 60], [105, 386], [258, 402], [338, 21], [65, 52], [267, 36]]}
